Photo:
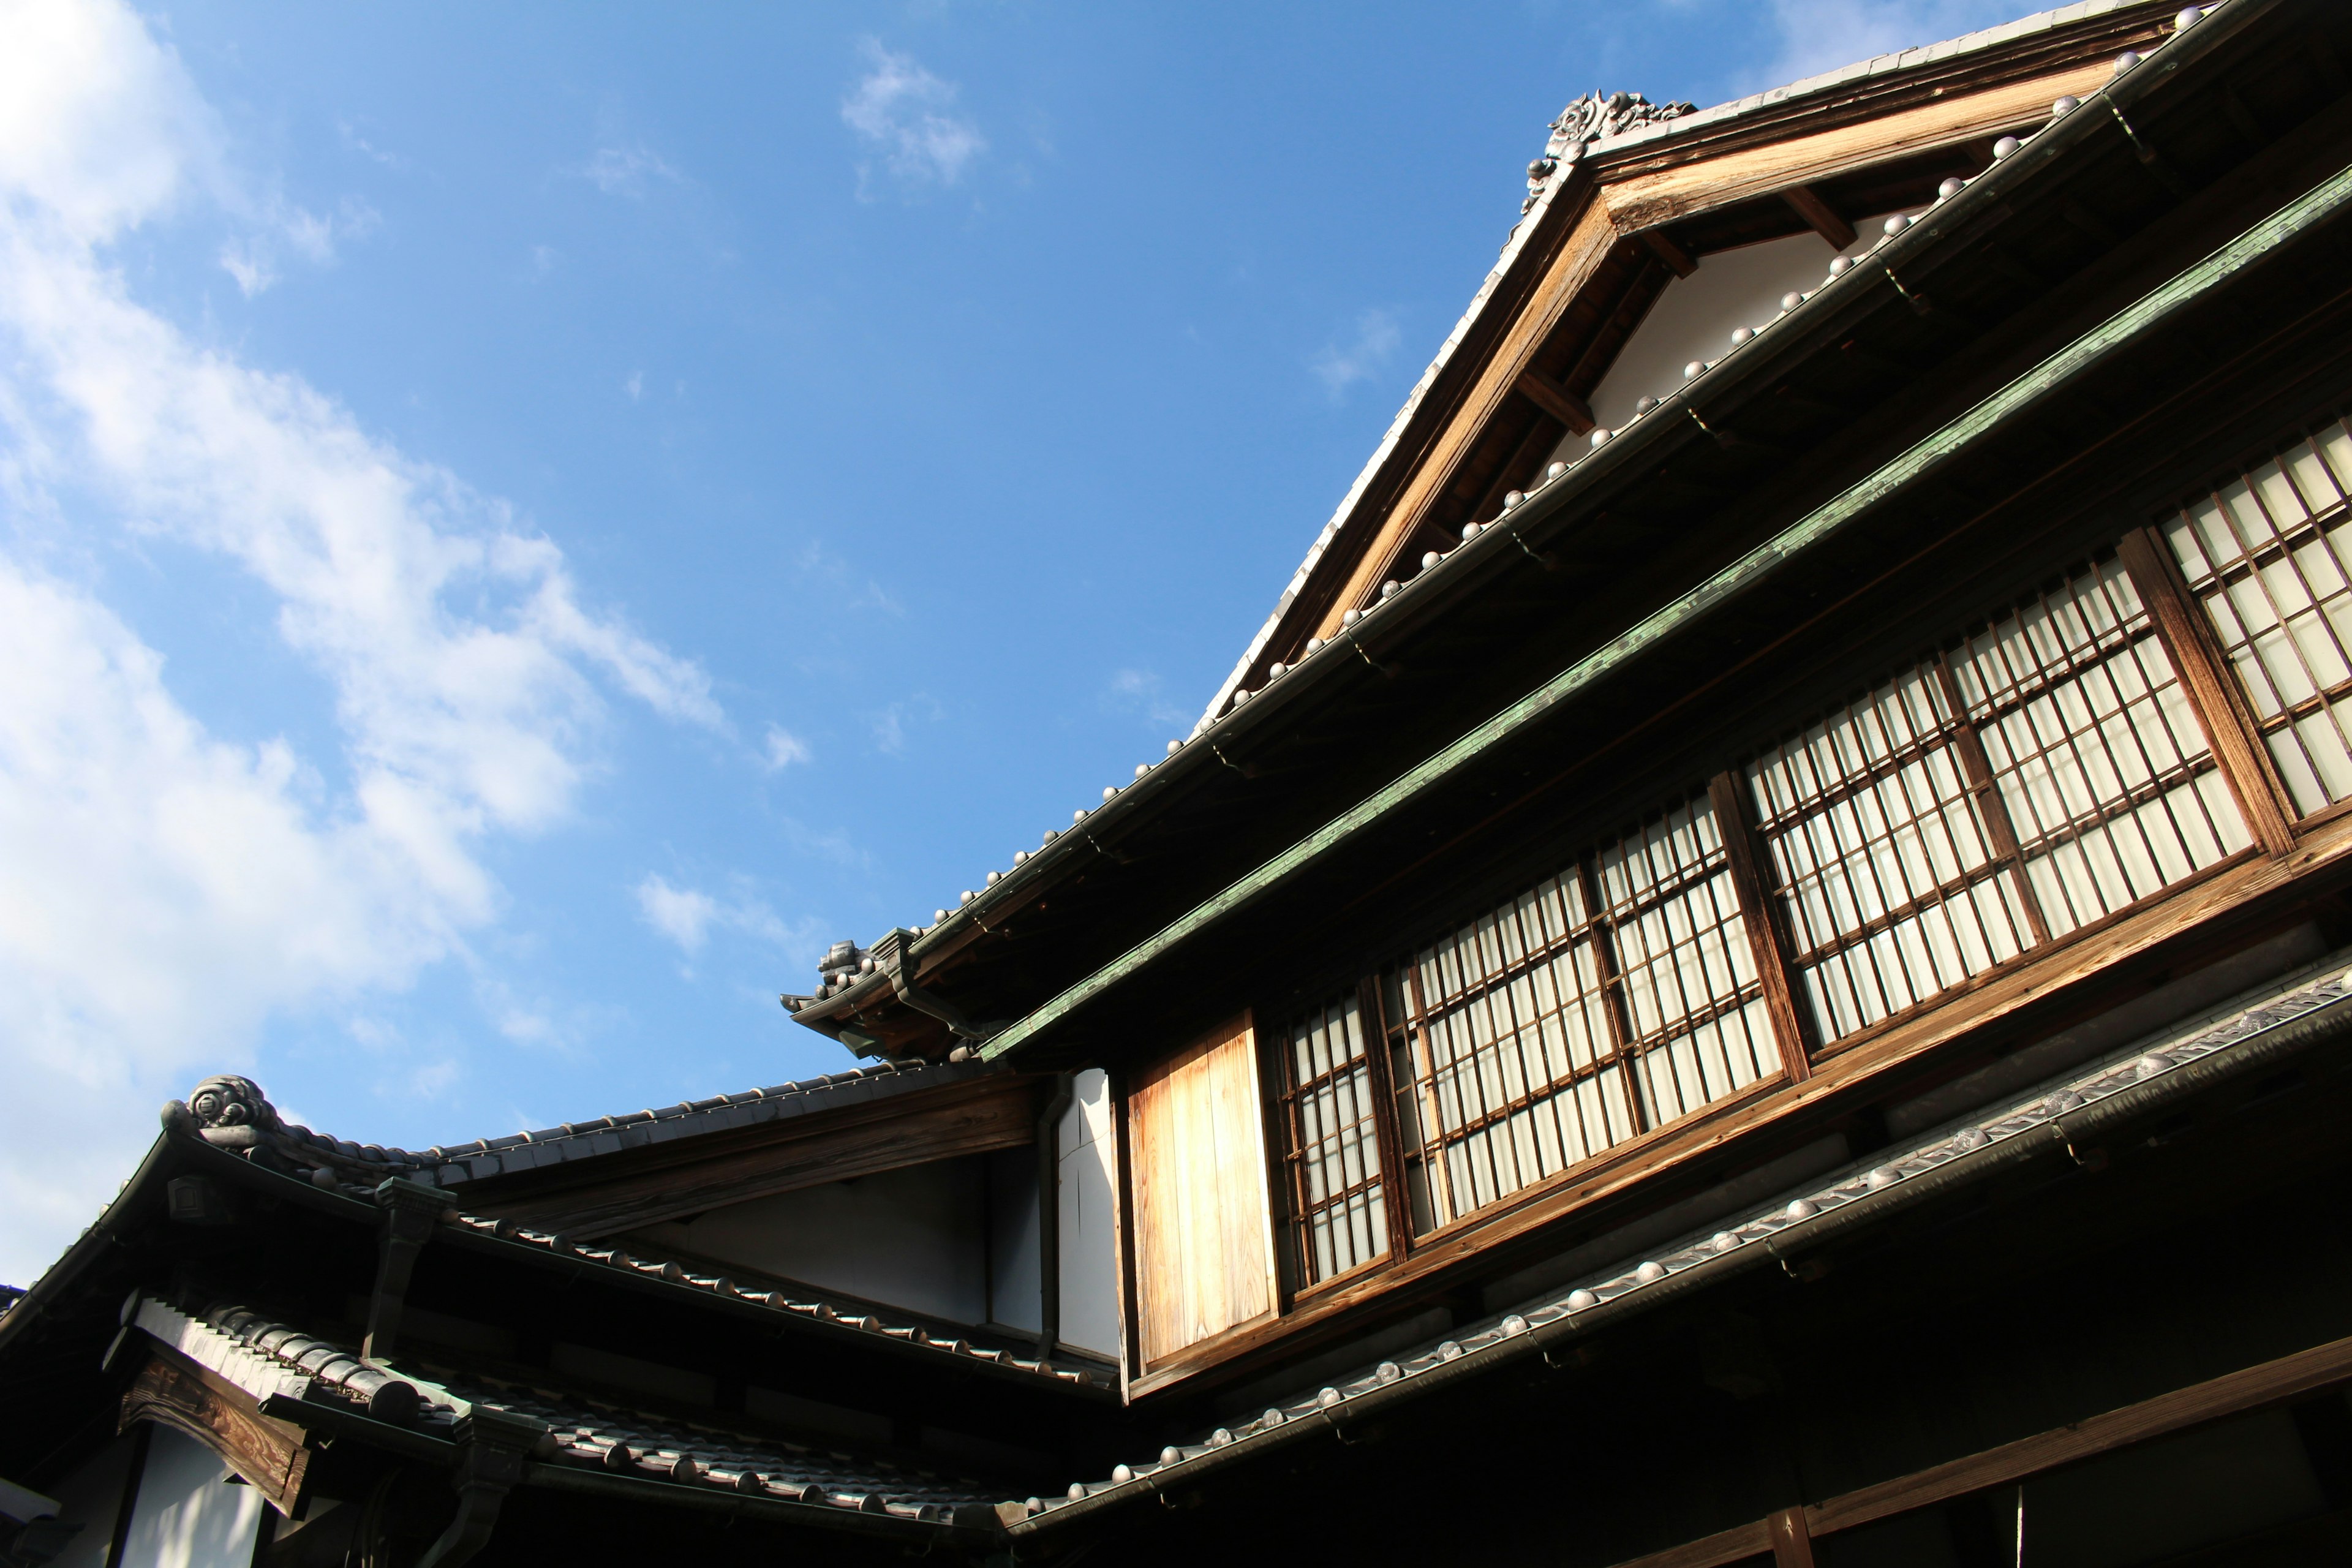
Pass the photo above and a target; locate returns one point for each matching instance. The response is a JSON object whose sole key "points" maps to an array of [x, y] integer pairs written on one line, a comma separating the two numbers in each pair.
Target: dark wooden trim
{"points": [[1999, 827], [1819, 216], [1393, 1189], [1759, 911], [172, 1391], [1130, 1316], [610, 1193], [2271, 1384], [2213, 690], [1666, 250]]}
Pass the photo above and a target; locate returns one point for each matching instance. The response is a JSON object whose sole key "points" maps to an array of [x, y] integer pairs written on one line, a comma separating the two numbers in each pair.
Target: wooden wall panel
{"points": [[1204, 1235]]}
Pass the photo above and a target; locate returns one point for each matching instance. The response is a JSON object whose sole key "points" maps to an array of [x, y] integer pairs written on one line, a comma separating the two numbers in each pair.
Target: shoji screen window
{"points": [[2266, 556], [2043, 773], [1339, 1196], [1613, 998]]}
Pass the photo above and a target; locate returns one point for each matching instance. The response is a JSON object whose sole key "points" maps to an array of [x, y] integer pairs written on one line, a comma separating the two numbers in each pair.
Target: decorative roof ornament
{"points": [[1586, 121]]}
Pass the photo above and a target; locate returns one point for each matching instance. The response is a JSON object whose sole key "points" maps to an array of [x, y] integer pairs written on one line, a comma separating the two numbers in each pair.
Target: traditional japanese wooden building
{"points": [[1753, 967]]}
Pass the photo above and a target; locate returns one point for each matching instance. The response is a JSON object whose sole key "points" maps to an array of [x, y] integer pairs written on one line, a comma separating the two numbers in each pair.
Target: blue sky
{"points": [[519, 524]]}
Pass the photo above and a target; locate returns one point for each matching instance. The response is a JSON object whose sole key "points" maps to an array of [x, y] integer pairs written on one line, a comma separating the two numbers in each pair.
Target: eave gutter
{"points": [[2011, 402]]}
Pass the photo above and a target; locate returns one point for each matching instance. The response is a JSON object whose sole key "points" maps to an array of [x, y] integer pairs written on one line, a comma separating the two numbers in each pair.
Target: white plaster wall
{"points": [[187, 1515], [1012, 1239], [912, 1237], [1693, 319], [1088, 1151], [91, 1496]]}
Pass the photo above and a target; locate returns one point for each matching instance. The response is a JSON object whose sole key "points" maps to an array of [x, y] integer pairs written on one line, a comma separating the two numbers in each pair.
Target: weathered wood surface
{"points": [[1204, 1253], [1819, 216], [172, 1391], [694, 1174], [1706, 184]]}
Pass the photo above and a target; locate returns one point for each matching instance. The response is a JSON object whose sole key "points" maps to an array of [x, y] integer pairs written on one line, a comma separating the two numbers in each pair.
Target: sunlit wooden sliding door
{"points": [[1204, 1240]]}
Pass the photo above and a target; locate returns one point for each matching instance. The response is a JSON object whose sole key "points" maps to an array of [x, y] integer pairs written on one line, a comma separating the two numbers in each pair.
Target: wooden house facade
{"points": [[1753, 967]]}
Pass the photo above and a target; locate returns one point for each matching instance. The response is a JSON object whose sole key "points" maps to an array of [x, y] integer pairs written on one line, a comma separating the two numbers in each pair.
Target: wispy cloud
{"points": [[889, 724], [1816, 35], [688, 917], [164, 891], [1142, 692], [252, 259], [783, 749], [1361, 357], [906, 118], [628, 171], [635, 386], [842, 582]]}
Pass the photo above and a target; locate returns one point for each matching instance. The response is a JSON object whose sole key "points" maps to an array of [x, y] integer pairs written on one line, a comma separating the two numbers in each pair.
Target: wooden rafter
{"points": [[1819, 216]]}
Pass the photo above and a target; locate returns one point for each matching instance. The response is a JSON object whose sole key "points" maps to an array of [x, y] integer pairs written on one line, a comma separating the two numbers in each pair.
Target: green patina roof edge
{"points": [[2321, 202]]}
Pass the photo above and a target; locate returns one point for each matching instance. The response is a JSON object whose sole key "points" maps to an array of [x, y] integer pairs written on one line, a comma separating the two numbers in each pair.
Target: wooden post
{"points": [[2213, 694], [1756, 912], [1792, 1546]]}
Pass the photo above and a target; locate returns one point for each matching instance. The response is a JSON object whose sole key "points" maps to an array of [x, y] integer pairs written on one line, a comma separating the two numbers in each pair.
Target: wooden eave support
{"points": [[1557, 400], [1666, 250], [1819, 216], [169, 1389], [410, 1211]]}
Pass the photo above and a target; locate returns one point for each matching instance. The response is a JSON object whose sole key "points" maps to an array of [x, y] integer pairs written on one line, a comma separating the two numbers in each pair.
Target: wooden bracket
{"points": [[1819, 216], [1663, 247], [492, 1448], [1557, 400], [410, 1210]]}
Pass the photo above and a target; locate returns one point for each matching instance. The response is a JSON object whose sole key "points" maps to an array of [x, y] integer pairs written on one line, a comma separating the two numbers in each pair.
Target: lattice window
{"points": [[1338, 1197], [2267, 557], [1607, 1000], [2044, 774]]}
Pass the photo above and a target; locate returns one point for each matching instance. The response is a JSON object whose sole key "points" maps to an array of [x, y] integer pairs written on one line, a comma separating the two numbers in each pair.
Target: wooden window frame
{"points": [[2209, 690]]}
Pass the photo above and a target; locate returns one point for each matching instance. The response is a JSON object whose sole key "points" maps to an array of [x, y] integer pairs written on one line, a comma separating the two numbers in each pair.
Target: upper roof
{"points": [[1599, 147]]}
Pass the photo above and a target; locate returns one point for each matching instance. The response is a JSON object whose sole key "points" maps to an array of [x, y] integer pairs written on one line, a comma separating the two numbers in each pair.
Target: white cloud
{"points": [[687, 915], [1340, 366], [1817, 36], [164, 891], [905, 116], [681, 914], [784, 749], [635, 386], [628, 171]]}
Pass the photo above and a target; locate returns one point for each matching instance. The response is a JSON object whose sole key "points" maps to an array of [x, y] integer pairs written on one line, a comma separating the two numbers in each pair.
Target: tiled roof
{"points": [[2165, 1062], [232, 1113], [1641, 131], [270, 1360]]}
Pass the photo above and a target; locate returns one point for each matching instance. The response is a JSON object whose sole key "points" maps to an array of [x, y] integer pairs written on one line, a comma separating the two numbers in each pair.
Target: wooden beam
{"points": [[694, 1174], [1667, 251], [1735, 821], [1820, 216], [1588, 246], [1707, 185], [172, 1391], [1793, 1543], [1556, 400], [2272, 1382]]}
